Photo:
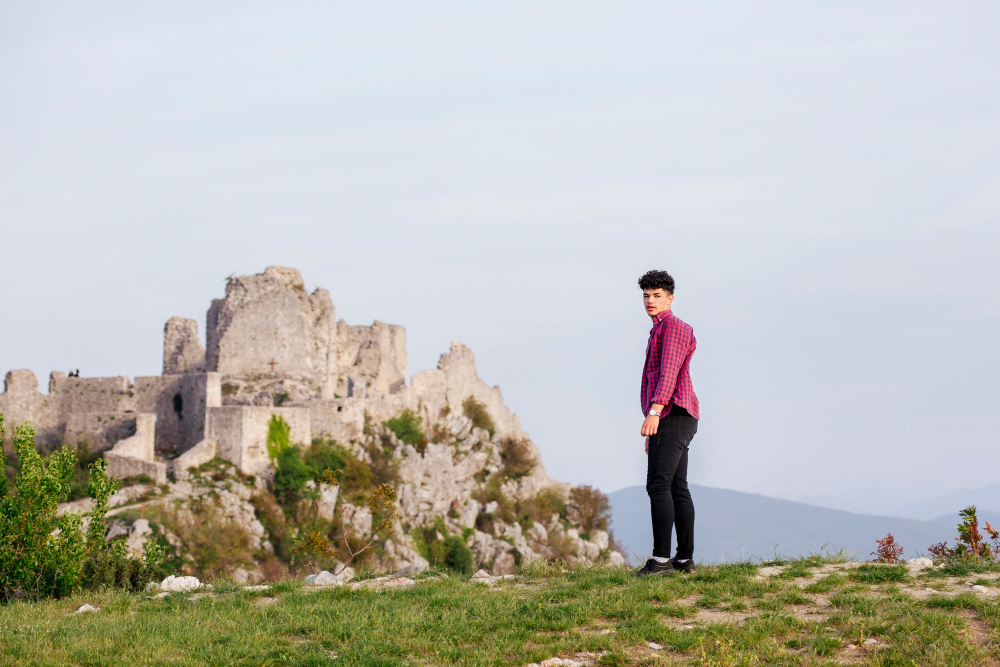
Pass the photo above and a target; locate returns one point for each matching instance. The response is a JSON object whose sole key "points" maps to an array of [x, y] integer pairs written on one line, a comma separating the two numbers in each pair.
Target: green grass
{"points": [[544, 612]]}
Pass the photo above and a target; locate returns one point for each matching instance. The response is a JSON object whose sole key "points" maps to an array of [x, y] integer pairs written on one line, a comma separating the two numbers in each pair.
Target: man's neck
{"points": [[654, 317]]}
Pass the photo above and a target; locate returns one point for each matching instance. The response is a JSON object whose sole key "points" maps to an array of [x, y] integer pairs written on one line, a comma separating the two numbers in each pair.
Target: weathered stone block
{"points": [[241, 434], [182, 351]]}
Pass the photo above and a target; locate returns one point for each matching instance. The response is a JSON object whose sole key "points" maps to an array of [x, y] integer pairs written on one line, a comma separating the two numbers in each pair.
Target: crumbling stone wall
{"points": [[268, 325], [102, 411], [182, 351], [371, 359]]}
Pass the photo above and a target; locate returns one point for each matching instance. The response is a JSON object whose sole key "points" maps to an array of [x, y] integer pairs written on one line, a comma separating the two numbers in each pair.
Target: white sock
{"points": [[661, 560], [682, 560]]}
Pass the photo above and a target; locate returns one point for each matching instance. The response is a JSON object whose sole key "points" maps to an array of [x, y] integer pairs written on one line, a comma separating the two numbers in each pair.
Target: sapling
{"points": [[315, 544], [888, 551]]}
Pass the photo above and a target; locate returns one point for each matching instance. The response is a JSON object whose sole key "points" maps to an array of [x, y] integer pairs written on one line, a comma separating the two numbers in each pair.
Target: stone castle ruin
{"points": [[273, 349]]}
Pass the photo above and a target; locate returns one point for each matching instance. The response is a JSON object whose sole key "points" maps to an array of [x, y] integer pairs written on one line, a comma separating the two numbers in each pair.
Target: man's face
{"points": [[656, 301]]}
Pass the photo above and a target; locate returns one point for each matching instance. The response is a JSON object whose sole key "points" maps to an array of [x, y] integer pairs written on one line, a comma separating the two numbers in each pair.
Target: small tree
{"points": [[970, 545], [888, 550], [589, 507], [314, 545]]}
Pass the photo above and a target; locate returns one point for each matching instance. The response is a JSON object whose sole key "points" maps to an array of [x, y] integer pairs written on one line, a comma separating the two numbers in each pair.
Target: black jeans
{"points": [[667, 486]]}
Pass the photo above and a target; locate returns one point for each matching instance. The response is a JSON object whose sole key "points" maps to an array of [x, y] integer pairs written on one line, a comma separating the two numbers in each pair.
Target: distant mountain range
{"points": [[732, 525], [984, 497]]}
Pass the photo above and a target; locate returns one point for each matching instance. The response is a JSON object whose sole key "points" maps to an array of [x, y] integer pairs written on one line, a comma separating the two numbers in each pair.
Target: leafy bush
{"points": [[295, 467], [443, 550], [590, 508], [278, 434], [42, 555], [970, 545], [541, 508], [114, 568], [84, 458], [315, 547], [516, 458], [213, 544], [408, 427], [888, 550], [356, 480], [478, 414], [290, 476]]}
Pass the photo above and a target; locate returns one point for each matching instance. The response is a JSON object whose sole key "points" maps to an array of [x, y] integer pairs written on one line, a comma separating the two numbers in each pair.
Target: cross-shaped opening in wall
{"points": [[273, 364]]}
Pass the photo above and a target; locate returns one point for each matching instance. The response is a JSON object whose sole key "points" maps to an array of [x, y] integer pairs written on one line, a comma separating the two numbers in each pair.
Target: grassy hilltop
{"points": [[814, 611]]}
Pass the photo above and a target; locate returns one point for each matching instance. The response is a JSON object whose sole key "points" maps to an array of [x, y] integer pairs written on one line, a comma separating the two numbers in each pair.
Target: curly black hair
{"points": [[657, 280]]}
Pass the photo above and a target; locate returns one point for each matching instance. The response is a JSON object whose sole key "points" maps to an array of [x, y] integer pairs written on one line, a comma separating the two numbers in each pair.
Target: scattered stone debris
{"points": [[261, 587], [655, 646], [560, 662], [915, 565], [85, 608], [326, 578], [382, 583], [484, 577]]}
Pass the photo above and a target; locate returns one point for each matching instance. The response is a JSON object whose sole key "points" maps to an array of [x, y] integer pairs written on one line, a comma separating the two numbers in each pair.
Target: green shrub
{"points": [[443, 550], [590, 508], [356, 480], [541, 508], [478, 414], [457, 555], [290, 476], [408, 427], [81, 479], [213, 544], [114, 568], [278, 432], [516, 458], [36, 563]]}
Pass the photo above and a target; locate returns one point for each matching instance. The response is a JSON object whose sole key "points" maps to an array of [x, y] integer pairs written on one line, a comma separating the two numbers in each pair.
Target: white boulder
{"points": [[174, 584]]}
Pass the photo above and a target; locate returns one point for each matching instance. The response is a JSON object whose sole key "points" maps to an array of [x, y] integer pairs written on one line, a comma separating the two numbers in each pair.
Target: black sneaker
{"points": [[654, 567], [687, 567]]}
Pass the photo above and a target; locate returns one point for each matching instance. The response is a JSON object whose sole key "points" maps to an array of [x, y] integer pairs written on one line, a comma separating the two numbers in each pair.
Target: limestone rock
{"points": [[327, 502], [137, 534], [326, 578], [174, 584], [371, 360], [86, 608], [615, 559]]}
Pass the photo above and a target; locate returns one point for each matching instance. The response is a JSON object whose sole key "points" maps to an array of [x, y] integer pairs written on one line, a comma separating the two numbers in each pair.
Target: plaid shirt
{"points": [[666, 379]]}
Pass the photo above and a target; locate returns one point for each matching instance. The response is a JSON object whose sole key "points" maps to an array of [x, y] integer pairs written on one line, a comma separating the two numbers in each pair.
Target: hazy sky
{"points": [[822, 179]]}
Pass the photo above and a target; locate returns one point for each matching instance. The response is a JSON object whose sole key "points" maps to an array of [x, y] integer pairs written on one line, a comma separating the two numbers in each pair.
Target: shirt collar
{"points": [[664, 315]]}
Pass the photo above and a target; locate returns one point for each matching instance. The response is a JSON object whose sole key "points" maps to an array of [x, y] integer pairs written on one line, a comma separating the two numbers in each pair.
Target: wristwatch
{"points": [[653, 413]]}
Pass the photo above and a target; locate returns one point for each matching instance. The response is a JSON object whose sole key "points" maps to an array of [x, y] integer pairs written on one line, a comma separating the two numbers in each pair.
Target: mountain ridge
{"points": [[734, 525]]}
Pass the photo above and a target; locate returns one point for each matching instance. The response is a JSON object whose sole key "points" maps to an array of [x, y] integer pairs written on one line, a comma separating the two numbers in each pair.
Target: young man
{"points": [[671, 410]]}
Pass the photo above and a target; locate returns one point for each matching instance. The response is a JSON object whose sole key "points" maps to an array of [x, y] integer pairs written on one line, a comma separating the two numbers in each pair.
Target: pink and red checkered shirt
{"points": [[666, 378]]}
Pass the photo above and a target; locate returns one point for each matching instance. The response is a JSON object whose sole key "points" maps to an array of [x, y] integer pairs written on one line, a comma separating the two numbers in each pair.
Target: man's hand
{"points": [[649, 425]]}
